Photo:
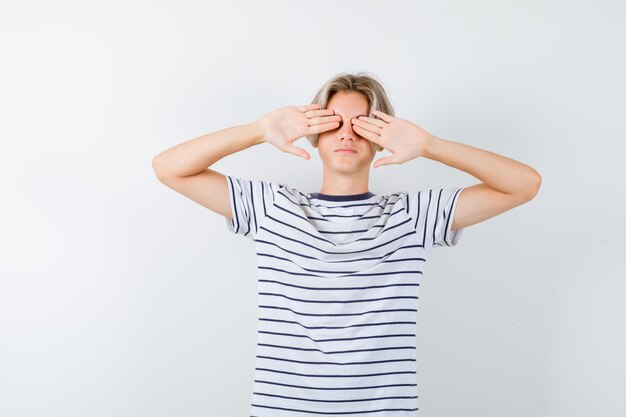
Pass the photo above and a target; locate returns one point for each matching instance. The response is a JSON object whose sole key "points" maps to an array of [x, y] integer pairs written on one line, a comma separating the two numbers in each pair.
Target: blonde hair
{"points": [[363, 82]]}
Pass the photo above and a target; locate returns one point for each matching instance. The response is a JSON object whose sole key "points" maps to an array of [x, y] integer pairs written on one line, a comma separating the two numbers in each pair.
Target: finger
{"points": [[384, 161], [297, 151], [367, 134], [371, 120], [320, 113], [372, 127], [323, 127], [309, 107], [324, 119], [382, 115]]}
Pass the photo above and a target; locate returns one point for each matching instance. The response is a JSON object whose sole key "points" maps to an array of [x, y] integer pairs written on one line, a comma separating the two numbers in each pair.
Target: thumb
{"points": [[297, 151], [384, 161]]}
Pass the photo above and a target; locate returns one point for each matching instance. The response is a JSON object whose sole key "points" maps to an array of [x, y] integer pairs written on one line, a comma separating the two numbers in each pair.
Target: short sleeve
{"points": [[432, 212], [250, 200]]}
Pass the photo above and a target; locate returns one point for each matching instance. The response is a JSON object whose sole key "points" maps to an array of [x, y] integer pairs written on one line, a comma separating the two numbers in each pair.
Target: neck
{"points": [[339, 183]]}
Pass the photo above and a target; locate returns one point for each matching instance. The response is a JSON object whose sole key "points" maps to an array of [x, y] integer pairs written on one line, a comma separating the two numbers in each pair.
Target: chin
{"points": [[348, 168]]}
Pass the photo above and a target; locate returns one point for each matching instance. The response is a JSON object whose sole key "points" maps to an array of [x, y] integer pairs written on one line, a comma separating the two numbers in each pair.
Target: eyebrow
{"points": [[356, 117]]}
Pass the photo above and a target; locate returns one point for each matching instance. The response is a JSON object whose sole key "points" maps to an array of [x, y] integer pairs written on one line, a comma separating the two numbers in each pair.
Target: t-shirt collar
{"points": [[342, 197]]}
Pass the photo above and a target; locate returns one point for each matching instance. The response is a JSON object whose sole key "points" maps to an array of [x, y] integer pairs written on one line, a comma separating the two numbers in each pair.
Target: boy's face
{"points": [[348, 105]]}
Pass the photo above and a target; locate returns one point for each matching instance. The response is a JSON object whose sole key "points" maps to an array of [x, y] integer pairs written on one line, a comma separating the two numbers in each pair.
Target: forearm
{"points": [[196, 155], [497, 171]]}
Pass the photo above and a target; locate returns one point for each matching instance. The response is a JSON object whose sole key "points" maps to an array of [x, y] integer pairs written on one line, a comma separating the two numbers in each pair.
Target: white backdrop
{"points": [[120, 297]]}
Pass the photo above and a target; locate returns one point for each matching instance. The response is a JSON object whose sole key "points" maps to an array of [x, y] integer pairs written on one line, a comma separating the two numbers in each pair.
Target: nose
{"points": [[346, 131]]}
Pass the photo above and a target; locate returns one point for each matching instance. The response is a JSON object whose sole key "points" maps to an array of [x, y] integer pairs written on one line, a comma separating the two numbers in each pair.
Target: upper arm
{"points": [[481, 202], [432, 211], [208, 188]]}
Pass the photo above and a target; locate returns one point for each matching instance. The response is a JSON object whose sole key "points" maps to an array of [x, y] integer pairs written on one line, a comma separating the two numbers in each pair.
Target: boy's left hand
{"points": [[402, 138]]}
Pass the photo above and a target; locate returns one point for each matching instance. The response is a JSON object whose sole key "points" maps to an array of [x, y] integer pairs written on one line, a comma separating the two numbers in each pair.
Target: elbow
{"points": [[534, 185], [157, 167]]}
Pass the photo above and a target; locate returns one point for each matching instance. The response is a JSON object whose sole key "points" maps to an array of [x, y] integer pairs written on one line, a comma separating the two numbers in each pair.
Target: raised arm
{"points": [[184, 167], [506, 183]]}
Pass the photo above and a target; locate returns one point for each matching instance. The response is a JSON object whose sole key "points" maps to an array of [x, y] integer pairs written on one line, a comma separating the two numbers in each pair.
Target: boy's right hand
{"points": [[284, 126]]}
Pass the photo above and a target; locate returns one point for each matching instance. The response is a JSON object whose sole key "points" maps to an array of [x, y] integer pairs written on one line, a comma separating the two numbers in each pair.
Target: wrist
{"points": [[431, 144], [258, 131]]}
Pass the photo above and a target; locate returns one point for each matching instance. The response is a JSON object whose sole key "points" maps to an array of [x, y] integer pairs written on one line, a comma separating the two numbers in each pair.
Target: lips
{"points": [[346, 150]]}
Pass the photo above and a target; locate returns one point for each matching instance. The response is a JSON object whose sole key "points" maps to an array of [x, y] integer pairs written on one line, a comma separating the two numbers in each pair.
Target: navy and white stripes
{"points": [[338, 280]]}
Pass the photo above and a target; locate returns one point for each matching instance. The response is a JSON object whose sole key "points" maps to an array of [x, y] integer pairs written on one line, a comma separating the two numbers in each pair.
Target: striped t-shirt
{"points": [[338, 284]]}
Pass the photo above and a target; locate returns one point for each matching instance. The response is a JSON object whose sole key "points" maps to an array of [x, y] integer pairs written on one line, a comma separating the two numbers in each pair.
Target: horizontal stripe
{"points": [[335, 376], [337, 327], [338, 301], [302, 255], [369, 287], [338, 289], [386, 410], [337, 363], [334, 352], [343, 339], [335, 401], [336, 314], [351, 387]]}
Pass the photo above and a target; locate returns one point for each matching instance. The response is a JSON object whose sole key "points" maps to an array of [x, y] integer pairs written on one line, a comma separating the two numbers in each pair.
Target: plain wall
{"points": [[120, 297]]}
